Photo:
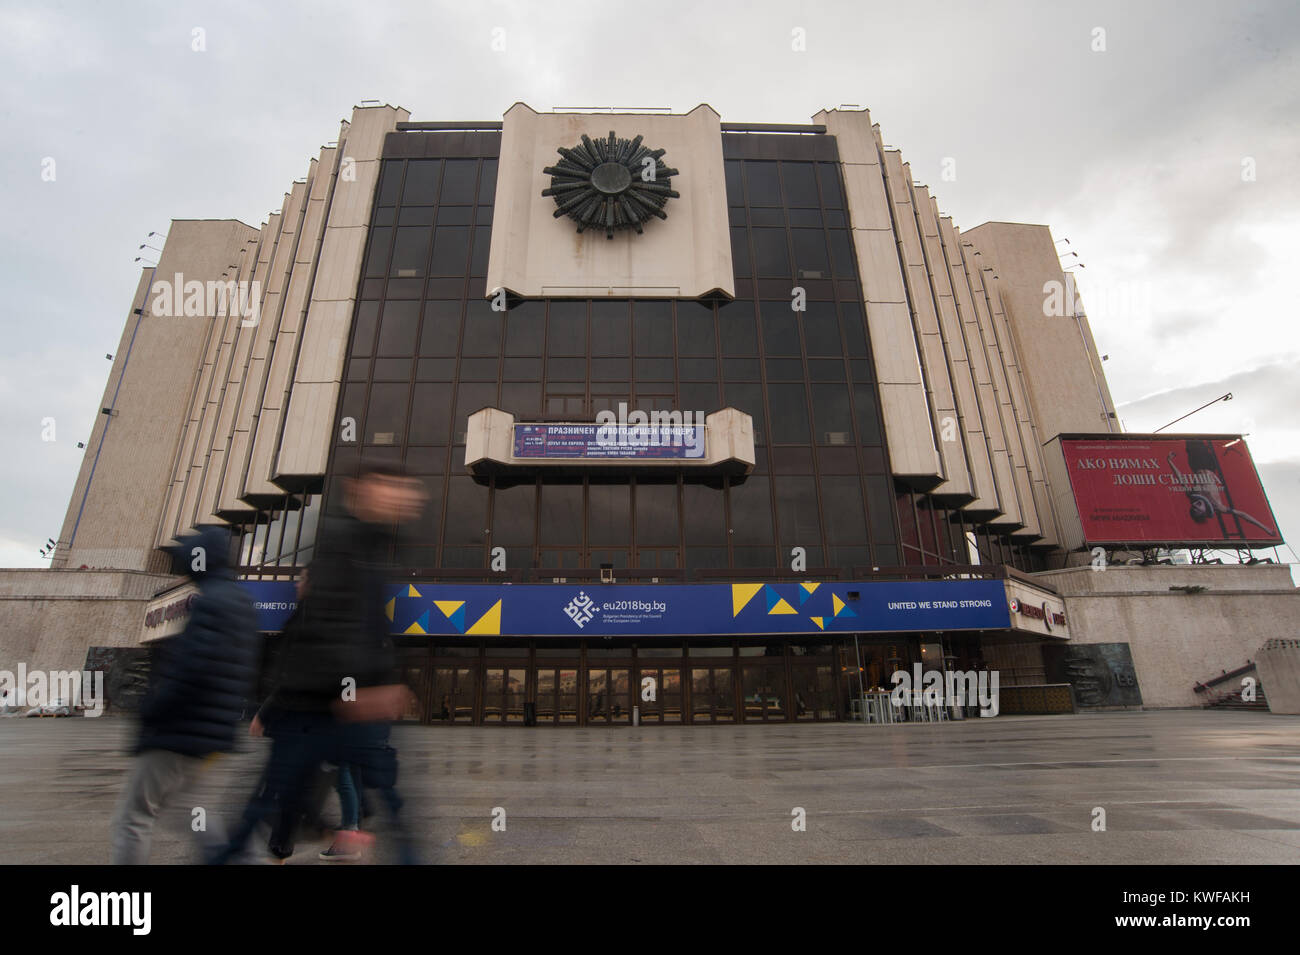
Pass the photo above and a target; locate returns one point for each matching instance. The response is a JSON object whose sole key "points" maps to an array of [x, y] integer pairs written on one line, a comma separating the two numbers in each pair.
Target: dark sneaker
{"points": [[336, 853], [349, 845]]}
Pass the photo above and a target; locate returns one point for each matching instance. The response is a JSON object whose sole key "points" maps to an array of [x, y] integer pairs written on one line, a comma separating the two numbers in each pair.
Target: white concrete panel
{"points": [[353, 196], [943, 250], [534, 254], [340, 264], [310, 416], [986, 363], [324, 342], [925, 324], [304, 427], [882, 279], [1006, 393], [904, 406]]}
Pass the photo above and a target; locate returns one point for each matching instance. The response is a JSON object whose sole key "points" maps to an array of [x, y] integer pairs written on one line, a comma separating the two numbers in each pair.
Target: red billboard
{"points": [[1192, 489]]}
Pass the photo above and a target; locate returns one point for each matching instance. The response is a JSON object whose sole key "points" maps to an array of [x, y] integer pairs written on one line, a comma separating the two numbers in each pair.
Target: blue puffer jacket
{"points": [[201, 677]]}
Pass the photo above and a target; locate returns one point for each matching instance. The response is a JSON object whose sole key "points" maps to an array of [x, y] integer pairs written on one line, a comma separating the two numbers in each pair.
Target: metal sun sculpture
{"points": [[610, 184]]}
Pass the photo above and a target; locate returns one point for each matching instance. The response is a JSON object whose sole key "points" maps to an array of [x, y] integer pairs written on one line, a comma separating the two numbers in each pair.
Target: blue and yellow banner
{"points": [[787, 607]]}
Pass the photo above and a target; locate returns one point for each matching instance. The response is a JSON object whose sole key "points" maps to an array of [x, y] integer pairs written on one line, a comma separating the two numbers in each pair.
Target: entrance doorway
{"points": [[609, 696], [451, 694], [763, 689], [812, 691], [664, 685], [504, 691], [713, 694], [557, 694], [599, 682]]}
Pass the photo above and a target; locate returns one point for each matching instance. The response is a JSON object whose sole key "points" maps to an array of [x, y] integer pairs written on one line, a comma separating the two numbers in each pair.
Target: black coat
{"points": [[200, 678], [341, 630]]}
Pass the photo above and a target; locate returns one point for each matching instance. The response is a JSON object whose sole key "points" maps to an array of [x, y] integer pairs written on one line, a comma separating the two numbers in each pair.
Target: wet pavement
{"points": [[1200, 787]]}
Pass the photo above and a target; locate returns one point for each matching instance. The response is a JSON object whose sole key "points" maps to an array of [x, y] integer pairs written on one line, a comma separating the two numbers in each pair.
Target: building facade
{"points": [[884, 383]]}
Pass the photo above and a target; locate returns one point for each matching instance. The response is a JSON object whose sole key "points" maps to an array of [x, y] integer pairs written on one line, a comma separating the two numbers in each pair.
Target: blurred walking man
{"points": [[338, 687], [197, 690]]}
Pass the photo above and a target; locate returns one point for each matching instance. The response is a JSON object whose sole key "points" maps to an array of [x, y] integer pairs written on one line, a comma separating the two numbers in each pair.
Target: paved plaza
{"points": [[1198, 787]]}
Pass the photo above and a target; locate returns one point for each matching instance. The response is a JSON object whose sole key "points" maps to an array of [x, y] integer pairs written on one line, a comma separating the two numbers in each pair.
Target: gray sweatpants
{"points": [[158, 778]]}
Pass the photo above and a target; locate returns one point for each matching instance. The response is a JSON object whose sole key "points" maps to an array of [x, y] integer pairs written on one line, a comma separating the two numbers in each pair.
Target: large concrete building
{"points": [[881, 399]]}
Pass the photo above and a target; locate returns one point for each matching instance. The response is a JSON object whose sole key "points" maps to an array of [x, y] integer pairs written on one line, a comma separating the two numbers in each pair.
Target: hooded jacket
{"points": [[201, 677]]}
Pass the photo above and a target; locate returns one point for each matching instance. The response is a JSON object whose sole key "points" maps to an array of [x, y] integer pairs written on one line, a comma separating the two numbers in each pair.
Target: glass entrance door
{"points": [[659, 693], [557, 694], [417, 705], [764, 691], [813, 691], [609, 698], [503, 694], [713, 695], [451, 694]]}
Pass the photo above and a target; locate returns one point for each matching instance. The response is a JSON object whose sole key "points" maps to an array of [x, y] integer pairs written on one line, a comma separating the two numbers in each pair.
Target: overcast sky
{"points": [[1169, 159]]}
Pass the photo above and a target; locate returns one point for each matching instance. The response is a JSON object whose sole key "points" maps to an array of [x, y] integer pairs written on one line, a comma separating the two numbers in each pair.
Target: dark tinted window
{"points": [[487, 182], [828, 174], [466, 512], [864, 404], [810, 252], [761, 179], [525, 325], [610, 329], [800, 184], [363, 330], [390, 182], [656, 514], [652, 328], [771, 260], [421, 182], [450, 250], [780, 328], [377, 251], [398, 328], [566, 330], [410, 252], [740, 253], [735, 190], [386, 414], [430, 414], [440, 333], [842, 502], [512, 515], [748, 397], [737, 327], [695, 331], [789, 413], [458, 182], [796, 509], [482, 329], [751, 512], [561, 514], [831, 413], [855, 340], [821, 330]]}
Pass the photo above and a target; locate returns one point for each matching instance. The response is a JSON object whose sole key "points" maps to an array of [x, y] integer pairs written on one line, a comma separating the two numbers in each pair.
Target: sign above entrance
{"points": [[786, 607], [621, 441], [721, 442]]}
